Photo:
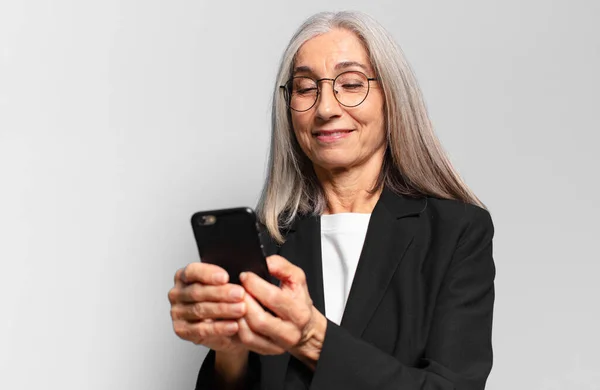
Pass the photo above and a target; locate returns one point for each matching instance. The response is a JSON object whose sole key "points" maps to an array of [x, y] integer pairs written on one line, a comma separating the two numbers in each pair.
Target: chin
{"points": [[333, 163]]}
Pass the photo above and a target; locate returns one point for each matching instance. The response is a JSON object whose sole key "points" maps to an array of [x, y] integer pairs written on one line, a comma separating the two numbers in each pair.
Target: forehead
{"points": [[323, 52]]}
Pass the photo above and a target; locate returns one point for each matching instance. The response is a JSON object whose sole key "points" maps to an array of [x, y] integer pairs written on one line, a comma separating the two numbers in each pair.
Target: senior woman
{"points": [[384, 255]]}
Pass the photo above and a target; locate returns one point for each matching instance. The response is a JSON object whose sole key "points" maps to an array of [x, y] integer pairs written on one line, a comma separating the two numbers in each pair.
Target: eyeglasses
{"points": [[350, 89]]}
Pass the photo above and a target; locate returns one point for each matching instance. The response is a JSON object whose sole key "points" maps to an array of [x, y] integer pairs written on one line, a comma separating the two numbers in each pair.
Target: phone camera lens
{"points": [[208, 220]]}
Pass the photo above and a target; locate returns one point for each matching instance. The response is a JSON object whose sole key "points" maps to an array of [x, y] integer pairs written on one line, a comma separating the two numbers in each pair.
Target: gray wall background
{"points": [[119, 119]]}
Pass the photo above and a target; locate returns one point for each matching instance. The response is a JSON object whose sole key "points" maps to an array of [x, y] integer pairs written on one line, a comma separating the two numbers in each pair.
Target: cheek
{"points": [[300, 125], [373, 118], [299, 121], [299, 128], [378, 118]]}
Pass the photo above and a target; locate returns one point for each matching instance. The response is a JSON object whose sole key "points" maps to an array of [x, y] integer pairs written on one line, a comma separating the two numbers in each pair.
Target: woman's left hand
{"points": [[297, 327]]}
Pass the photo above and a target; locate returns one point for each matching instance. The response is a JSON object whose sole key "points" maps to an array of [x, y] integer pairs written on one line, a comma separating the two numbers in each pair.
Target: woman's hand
{"points": [[205, 309], [298, 326]]}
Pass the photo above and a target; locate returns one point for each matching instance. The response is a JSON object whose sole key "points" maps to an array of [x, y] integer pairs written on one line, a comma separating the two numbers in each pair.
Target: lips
{"points": [[332, 136], [331, 133]]}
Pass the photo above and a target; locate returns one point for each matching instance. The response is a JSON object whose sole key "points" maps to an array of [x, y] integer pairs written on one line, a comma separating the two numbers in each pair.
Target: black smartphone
{"points": [[230, 238]]}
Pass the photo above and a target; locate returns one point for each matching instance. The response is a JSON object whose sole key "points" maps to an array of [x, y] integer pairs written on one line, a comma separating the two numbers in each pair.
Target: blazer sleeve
{"points": [[208, 380], [458, 352]]}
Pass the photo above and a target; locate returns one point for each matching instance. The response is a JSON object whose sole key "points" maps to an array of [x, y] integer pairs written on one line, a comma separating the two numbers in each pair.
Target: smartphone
{"points": [[230, 238]]}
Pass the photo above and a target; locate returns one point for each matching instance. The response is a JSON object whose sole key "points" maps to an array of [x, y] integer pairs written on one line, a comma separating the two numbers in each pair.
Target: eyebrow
{"points": [[340, 65]]}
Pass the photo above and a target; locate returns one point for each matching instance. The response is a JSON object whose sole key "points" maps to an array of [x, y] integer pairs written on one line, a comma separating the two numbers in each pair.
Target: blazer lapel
{"points": [[302, 248], [391, 229]]}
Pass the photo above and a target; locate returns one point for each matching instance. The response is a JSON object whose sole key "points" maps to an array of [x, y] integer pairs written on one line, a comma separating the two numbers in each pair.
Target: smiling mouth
{"points": [[331, 133]]}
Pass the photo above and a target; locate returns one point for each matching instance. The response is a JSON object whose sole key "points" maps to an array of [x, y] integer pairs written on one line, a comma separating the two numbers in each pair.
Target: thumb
{"points": [[284, 270]]}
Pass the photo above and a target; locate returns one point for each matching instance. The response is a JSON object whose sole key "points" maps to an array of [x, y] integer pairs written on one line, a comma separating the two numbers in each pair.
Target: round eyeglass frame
{"points": [[288, 95]]}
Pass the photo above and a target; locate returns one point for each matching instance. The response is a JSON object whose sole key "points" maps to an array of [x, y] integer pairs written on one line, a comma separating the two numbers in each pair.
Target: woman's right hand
{"points": [[205, 308]]}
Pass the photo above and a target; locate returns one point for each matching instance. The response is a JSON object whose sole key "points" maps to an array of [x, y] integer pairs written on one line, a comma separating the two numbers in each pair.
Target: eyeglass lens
{"points": [[350, 89]]}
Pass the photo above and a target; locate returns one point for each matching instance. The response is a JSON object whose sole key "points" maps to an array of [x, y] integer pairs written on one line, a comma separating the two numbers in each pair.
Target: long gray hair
{"points": [[414, 165]]}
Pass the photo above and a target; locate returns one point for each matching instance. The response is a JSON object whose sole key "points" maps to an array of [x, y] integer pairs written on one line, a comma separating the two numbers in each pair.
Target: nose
{"points": [[327, 105]]}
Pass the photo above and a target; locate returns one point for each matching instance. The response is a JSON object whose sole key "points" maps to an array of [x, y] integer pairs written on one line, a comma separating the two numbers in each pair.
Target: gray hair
{"points": [[414, 165]]}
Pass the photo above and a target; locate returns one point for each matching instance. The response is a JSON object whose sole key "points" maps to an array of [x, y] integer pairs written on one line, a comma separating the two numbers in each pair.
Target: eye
{"points": [[303, 86], [306, 91], [352, 82], [353, 86]]}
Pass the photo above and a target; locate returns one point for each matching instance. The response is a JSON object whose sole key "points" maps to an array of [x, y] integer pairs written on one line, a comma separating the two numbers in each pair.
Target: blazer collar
{"points": [[399, 206]]}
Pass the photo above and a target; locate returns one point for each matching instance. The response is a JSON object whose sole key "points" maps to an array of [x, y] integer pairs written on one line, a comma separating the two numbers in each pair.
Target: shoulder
{"points": [[462, 219], [447, 212], [467, 220], [458, 211]]}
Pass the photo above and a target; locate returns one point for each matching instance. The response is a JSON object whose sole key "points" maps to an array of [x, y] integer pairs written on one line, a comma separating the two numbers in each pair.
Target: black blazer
{"points": [[419, 313]]}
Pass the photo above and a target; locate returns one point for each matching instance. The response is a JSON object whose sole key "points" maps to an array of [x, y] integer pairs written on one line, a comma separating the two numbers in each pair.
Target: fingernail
{"points": [[236, 293], [239, 307], [231, 327], [243, 276], [183, 278], [220, 277]]}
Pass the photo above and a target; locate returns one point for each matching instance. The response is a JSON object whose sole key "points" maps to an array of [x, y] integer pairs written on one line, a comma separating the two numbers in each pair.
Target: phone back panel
{"points": [[231, 240]]}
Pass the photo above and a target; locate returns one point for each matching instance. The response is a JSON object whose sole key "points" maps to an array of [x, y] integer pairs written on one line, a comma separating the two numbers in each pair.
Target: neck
{"points": [[350, 190]]}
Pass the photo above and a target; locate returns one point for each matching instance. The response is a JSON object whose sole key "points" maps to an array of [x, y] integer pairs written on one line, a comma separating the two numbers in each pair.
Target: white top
{"points": [[342, 238]]}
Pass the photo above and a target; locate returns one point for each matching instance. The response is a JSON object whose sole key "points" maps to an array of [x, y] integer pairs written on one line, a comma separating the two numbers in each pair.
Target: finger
{"points": [[283, 333], [268, 294], [178, 276], [208, 310], [204, 273], [200, 332], [197, 292], [256, 342], [174, 295], [284, 270]]}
